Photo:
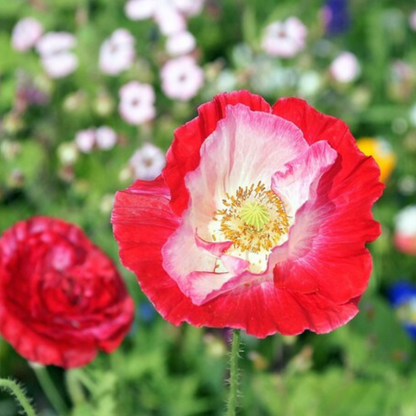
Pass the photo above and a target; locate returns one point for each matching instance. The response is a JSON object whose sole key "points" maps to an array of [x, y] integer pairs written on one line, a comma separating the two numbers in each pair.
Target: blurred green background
{"points": [[366, 368]]}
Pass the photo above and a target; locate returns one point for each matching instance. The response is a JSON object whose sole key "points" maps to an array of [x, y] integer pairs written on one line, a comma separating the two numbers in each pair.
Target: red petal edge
{"points": [[183, 156], [143, 221]]}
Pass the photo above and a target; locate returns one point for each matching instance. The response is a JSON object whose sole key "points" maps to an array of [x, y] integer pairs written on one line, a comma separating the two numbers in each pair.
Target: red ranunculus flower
{"points": [[259, 220], [61, 298]]}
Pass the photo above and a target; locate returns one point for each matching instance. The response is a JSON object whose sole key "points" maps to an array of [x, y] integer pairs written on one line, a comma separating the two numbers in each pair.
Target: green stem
{"points": [[232, 397], [19, 394], [50, 390]]}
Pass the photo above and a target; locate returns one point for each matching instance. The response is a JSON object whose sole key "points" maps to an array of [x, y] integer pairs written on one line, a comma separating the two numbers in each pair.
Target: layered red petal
{"points": [[184, 154]]}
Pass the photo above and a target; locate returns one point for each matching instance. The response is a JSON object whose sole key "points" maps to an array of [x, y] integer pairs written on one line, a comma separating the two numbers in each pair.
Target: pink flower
{"points": [[137, 102], [405, 230], [147, 162], [189, 7], [180, 43], [345, 68], [140, 9], [182, 78], [117, 52], [105, 138], [56, 58], [259, 220], [26, 33], [169, 19], [85, 140], [285, 39]]}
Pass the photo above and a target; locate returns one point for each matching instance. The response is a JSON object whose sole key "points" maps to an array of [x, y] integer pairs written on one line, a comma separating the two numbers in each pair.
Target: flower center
{"points": [[254, 219]]}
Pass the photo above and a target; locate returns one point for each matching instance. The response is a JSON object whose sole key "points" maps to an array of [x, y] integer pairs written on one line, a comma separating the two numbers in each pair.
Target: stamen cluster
{"points": [[254, 219]]}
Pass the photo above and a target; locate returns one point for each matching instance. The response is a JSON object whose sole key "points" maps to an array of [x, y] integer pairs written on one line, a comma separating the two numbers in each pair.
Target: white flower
{"points": [[140, 9], [105, 137], [147, 162], [345, 68], [26, 33], [117, 52], [284, 39], [137, 102], [181, 78], [169, 20], [85, 140], [189, 7], [56, 58], [180, 43]]}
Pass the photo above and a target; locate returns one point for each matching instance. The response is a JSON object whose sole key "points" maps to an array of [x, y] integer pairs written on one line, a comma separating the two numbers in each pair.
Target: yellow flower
{"points": [[382, 153]]}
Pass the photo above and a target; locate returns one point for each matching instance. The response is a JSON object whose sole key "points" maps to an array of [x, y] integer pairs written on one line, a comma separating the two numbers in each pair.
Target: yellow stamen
{"points": [[254, 219]]}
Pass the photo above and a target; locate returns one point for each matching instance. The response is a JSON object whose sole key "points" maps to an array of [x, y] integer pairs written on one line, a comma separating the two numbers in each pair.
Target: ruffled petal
{"points": [[293, 182], [247, 147], [184, 154], [326, 251]]}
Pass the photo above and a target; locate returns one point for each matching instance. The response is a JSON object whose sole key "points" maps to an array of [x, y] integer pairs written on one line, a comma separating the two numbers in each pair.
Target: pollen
{"points": [[254, 219]]}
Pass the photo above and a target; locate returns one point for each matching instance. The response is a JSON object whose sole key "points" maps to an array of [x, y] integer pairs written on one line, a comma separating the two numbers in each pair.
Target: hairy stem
{"points": [[17, 392], [234, 355]]}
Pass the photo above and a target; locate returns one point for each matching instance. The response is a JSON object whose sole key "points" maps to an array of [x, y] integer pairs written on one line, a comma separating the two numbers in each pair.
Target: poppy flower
{"points": [[259, 220], [61, 298]]}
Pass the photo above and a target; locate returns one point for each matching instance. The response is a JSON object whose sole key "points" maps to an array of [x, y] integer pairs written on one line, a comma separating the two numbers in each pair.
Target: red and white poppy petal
{"points": [[326, 248], [184, 154], [246, 147], [293, 182]]}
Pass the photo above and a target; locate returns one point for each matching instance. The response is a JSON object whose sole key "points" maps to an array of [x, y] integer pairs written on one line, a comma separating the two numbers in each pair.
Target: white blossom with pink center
{"points": [[285, 39], [345, 68], [182, 78], [85, 140], [26, 33], [54, 49], [168, 14], [147, 162], [117, 52], [105, 137], [180, 43], [137, 103], [189, 7]]}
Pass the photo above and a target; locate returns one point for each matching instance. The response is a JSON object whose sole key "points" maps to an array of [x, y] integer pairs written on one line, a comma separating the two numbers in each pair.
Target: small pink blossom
{"points": [[189, 7], [85, 140], [57, 60], [105, 137], [147, 162], [412, 20], [285, 39], [137, 102], [169, 20], [165, 13], [117, 52], [180, 43], [26, 33], [140, 9], [182, 78], [345, 68]]}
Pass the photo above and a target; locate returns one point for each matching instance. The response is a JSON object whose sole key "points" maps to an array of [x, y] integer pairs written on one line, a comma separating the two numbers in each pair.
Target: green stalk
{"points": [[50, 390], [17, 391], [234, 355]]}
